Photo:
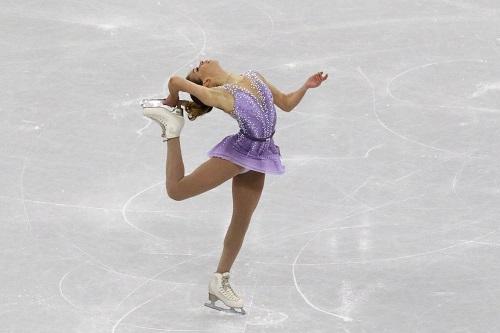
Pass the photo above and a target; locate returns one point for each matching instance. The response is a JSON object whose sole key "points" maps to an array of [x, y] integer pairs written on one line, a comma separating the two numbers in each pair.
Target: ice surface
{"points": [[387, 219]]}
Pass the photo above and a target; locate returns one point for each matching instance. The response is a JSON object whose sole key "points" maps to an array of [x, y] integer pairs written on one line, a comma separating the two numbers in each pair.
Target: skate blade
{"points": [[228, 310], [152, 103], [175, 111]]}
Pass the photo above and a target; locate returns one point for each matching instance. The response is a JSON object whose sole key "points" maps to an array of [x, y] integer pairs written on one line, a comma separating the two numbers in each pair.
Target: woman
{"points": [[245, 156]]}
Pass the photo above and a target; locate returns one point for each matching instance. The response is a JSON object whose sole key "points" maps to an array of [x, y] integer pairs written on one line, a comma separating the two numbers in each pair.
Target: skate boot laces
{"points": [[227, 290]]}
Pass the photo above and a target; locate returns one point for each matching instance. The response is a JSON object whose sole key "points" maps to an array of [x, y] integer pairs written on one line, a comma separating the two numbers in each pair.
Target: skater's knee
{"points": [[175, 198], [174, 194]]}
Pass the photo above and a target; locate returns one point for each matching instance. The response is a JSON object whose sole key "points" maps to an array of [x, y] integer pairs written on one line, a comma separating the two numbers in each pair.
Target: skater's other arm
{"points": [[209, 96], [279, 98], [287, 102]]}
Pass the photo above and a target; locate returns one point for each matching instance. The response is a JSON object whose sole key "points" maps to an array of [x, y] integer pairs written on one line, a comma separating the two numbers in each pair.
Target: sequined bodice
{"points": [[256, 115]]}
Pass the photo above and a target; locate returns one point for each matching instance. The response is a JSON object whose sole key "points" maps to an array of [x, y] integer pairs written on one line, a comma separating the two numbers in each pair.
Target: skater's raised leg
{"points": [[208, 175]]}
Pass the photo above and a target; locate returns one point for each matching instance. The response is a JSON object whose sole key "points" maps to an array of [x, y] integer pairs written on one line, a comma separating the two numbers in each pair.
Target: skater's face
{"points": [[204, 71]]}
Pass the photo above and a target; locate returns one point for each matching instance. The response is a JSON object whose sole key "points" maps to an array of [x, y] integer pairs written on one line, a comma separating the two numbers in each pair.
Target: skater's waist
{"points": [[255, 138]]}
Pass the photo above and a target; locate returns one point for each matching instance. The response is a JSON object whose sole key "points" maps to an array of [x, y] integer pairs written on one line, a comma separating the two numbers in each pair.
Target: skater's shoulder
{"points": [[225, 98]]}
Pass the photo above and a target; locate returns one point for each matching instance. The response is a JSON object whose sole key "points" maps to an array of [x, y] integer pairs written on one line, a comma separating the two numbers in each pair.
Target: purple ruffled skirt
{"points": [[261, 156]]}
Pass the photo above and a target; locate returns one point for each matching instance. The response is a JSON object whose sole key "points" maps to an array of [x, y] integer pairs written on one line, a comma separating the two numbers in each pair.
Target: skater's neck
{"points": [[222, 77]]}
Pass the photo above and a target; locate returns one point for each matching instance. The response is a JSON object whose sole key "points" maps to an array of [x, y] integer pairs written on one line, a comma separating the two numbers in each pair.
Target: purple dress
{"points": [[253, 146]]}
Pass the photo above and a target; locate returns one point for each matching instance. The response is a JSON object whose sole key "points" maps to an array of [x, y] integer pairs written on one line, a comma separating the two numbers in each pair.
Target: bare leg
{"points": [[174, 164], [208, 175], [247, 189]]}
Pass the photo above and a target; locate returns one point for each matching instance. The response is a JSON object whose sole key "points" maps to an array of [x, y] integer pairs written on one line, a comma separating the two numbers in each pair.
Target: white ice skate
{"points": [[171, 119], [220, 289]]}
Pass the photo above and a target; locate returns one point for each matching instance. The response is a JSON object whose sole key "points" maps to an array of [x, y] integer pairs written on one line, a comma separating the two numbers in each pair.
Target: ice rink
{"points": [[386, 220]]}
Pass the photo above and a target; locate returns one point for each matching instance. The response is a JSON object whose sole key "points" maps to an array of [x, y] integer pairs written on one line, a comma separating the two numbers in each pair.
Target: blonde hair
{"points": [[196, 107]]}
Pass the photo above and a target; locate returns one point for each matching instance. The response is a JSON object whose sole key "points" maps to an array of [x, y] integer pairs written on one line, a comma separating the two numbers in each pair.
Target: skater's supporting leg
{"points": [[208, 175], [247, 189]]}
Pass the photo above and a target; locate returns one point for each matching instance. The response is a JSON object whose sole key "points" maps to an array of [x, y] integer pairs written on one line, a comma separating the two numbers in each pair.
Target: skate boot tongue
{"points": [[225, 279]]}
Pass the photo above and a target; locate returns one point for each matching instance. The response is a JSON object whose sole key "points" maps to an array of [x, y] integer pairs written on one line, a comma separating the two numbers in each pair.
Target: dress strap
{"points": [[251, 77], [258, 96], [258, 84], [228, 87], [254, 76]]}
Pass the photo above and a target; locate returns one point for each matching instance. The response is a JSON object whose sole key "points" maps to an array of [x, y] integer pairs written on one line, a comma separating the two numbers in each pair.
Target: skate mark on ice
{"points": [[352, 194], [270, 317], [344, 318], [96, 262], [270, 34], [473, 108], [455, 178], [406, 257], [25, 210], [484, 88], [125, 218], [350, 298], [60, 204], [356, 213], [491, 244], [66, 299], [79, 309], [200, 52], [388, 128], [392, 258], [139, 131], [137, 307], [152, 278], [407, 175], [30, 126], [371, 149]]}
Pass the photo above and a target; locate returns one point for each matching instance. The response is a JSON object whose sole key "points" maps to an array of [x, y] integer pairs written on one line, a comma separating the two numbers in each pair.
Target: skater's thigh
{"points": [[208, 175], [247, 189]]}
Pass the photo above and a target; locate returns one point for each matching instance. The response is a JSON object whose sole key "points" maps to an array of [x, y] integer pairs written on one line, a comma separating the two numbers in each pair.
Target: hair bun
{"points": [[195, 110]]}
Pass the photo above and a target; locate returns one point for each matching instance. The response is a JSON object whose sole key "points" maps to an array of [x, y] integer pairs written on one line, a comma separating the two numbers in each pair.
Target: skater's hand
{"points": [[172, 100], [315, 80]]}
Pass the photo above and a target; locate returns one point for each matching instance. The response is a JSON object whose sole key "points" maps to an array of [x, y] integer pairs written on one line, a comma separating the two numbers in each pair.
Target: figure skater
{"points": [[245, 157]]}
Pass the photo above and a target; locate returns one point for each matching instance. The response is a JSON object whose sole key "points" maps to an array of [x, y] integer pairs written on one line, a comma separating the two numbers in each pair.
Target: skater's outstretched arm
{"points": [[209, 96], [287, 102]]}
